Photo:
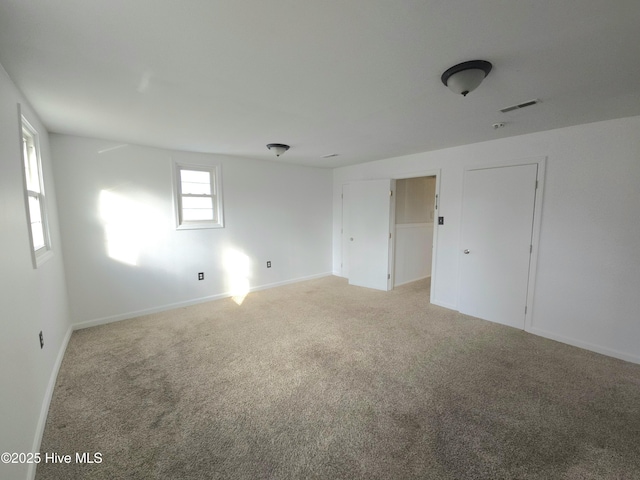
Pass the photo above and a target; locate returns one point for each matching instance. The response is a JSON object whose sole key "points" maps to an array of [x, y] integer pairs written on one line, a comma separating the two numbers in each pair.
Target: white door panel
{"points": [[346, 225], [368, 236], [497, 222]]}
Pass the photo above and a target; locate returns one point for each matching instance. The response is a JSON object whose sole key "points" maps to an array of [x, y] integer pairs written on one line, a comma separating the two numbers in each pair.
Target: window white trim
{"points": [[213, 193], [34, 193]]}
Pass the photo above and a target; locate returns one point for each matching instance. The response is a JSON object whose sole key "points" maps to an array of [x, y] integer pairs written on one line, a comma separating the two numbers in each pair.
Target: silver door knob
{"points": [[466, 252]]}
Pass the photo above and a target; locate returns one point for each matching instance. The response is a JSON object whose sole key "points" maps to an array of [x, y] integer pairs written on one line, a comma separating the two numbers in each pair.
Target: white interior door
{"points": [[346, 225], [368, 233], [497, 224]]}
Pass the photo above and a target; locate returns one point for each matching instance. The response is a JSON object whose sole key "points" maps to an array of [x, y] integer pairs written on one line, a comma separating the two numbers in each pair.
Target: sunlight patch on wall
{"points": [[237, 266], [129, 225]]}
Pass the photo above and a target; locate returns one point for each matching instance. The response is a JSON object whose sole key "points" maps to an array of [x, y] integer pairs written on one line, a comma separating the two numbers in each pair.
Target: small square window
{"points": [[198, 196]]}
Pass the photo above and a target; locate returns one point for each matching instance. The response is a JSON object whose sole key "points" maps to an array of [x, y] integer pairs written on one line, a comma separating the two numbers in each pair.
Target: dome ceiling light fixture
{"points": [[466, 76], [278, 148]]}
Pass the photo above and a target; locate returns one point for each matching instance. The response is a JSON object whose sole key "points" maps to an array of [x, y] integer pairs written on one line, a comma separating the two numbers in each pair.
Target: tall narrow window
{"points": [[35, 195], [198, 197]]}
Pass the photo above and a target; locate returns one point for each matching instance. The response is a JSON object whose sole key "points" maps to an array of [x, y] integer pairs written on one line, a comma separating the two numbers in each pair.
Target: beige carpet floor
{"points": [[324, 380]]}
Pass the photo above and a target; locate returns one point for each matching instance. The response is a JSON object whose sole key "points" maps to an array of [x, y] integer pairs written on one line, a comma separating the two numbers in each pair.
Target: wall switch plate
{"points": [[201, 276], [440, 220]]}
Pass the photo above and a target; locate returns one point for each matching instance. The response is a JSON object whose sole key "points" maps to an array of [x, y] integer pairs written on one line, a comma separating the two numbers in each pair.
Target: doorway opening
{"points": [[369, 247], [415, 218]]}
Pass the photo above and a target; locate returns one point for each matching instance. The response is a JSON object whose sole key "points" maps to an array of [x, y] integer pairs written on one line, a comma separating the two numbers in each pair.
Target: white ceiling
{"points": [[360, 78]]}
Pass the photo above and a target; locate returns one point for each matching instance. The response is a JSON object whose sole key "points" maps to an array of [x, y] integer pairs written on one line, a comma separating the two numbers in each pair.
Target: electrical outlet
{"points": [[268, 263], [440, 220], [41, 339], [201, 276]]}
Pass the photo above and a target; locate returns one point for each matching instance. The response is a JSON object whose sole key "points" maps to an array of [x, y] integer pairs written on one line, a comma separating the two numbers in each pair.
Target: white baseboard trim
{"points": [[450, 306], [586, 345], [46, 401], [288, 282], [410, 281], [187, 303]]}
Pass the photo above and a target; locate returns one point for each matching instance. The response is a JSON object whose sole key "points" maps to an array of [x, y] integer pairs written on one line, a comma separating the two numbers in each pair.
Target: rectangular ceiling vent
{"points": [[519, 106]]}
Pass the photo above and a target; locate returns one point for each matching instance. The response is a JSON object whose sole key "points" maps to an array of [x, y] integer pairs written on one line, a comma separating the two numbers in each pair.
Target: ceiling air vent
{"points": [[518, 106]]}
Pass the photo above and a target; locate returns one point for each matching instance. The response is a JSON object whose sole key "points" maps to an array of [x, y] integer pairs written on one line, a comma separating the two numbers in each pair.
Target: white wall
{"points": [[588, 271], [123, 196], [413, 248], [415, 198], [30, 300]]}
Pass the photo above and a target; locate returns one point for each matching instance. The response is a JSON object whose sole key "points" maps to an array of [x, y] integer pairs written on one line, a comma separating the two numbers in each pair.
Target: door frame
{"points": [[392, 256], [535, 231]]}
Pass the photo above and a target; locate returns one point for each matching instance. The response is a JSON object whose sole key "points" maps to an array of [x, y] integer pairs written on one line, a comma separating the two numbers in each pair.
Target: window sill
{"points": [[199, 226], [40, 259]]}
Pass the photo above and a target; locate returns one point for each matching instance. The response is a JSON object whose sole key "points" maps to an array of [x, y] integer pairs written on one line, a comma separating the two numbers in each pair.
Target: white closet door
{"points": [[497, 223], [369, 231]]}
